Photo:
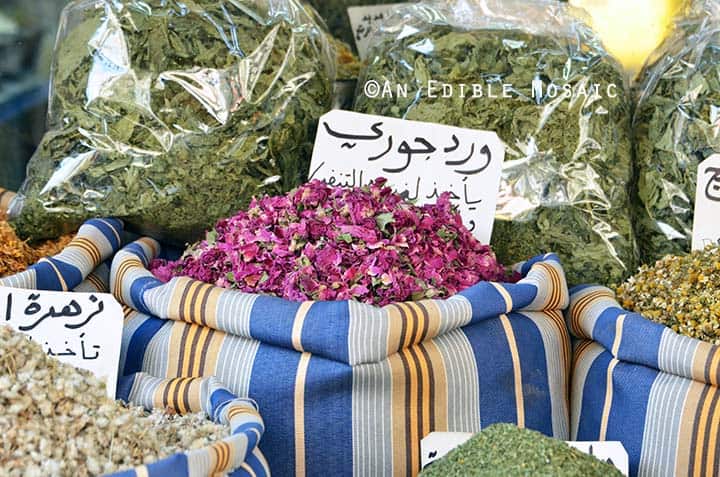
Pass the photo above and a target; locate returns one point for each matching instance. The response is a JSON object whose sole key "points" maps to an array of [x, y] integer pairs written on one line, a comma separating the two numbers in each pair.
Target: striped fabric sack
{"points": [[638, 382], [80, 266], [349, 389], [237, 455]]}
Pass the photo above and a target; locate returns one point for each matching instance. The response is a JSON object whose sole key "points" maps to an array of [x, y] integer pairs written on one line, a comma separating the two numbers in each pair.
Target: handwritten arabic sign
{"points": [[80, 329], [364, 20], [706, 230], [438, 444], [420, 161]]}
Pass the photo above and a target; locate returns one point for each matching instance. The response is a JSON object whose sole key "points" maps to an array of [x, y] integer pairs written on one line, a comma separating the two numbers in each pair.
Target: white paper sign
{"points": [[438, 444], [364, 20], [81, 329], [706, 230], [419, 160]]}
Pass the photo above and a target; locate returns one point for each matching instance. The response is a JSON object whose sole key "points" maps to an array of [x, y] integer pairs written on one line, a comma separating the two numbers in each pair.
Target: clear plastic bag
{"points": [[676, 128], [172, 114], [537, 76], [335, 14]]}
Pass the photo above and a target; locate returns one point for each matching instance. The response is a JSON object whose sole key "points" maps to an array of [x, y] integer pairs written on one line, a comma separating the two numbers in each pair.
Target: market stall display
{"points": [[640, 383], [552, 94], [172, 115], [356, 319], [675, 130], [349, 388], [509, 451]]}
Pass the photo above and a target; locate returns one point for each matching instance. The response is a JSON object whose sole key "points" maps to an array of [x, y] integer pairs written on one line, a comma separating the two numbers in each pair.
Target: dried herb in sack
{"points": [[58, 422], [676, 128], [172, 114], [17, 255], [681, 292], [504, 450], [542, 82], [334, 243]]}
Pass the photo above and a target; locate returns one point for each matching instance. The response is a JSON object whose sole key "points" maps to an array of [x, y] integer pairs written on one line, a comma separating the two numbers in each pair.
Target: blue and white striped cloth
{"points": [[348, 389], [95, 243], [237, 455]]}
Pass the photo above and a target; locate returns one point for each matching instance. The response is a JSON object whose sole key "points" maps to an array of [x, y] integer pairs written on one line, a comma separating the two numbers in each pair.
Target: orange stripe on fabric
{"points": [[619, 324], [63, 284], [714, 369], [87, 246], [123, 268], [439, 387], [298, 325], [607, 407], [555, 285], [186, 348], [517, 370], [300, 414], [688, 420], [713, 431], [582, 304], [702, 429], [399, 409], [249, 470], [505, 295]]}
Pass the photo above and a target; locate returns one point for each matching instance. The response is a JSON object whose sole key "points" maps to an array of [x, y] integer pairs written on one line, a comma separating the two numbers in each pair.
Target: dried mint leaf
{"points": [[504, 450], [568, 165], [173, 114], [675, 130]]}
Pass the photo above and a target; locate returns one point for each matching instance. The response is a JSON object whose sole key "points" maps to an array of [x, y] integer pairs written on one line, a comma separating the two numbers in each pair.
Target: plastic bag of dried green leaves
{"points": [[538, 77], [676, 128], [172, 114]]}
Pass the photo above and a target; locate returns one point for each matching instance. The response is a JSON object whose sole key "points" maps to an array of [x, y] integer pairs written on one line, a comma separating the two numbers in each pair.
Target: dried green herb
{"points": [[348, 64], [504, 450], [681, 292], [676, 128], [568, 165], [172, 114]]}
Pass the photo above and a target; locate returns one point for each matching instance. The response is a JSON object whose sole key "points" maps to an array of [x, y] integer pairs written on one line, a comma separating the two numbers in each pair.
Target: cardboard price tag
{"points": [[438, 444], [81, 329], [364, 21], [706, 229], [419, 160]]}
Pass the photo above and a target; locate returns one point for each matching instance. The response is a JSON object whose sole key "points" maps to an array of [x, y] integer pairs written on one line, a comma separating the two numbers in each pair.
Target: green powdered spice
{"points": [[504, 450], [676, 128], [558, 102], [681, 292], [172, 114]]}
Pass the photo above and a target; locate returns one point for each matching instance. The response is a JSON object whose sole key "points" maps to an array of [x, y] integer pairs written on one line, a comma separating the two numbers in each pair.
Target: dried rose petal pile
{"points": [[331, 243]]}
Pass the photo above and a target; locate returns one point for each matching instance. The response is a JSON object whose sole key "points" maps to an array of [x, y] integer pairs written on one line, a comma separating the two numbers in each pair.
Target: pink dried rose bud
{"points": [[332, 243]]}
